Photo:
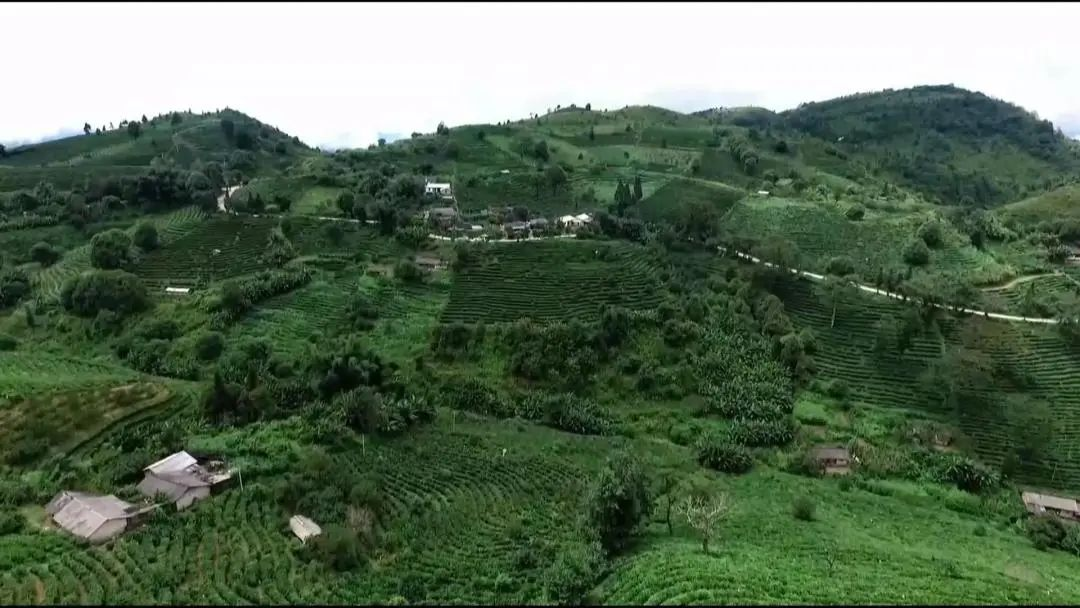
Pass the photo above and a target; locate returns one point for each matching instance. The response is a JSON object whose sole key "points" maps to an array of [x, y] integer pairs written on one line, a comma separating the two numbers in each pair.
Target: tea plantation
{"points": [[480, 400]]}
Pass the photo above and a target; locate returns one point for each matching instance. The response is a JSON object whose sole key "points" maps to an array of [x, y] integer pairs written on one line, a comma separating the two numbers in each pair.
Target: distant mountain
{"points": [[952, 144]]}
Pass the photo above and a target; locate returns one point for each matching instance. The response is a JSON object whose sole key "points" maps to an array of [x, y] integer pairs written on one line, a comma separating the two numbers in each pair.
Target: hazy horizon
{"points": [[342, 75]]}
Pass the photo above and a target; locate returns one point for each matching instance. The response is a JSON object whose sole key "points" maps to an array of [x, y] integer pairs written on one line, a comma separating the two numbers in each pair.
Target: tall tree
{"points": [[134, 129], [592, 133], [637, 188], [86, 128], [618, 502]]}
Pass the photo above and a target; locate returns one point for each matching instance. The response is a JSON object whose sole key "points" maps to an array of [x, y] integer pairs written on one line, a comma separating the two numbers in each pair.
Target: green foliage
{"points": [[573, 573], [717, 453], [617, 503], [94, 291], [408, 272], [916, 253], [44, 254], [209, 345], [11, 522], [111, 250], [14, 286], [146, 236], [1045, 532], [855, 213], [803, 508], [279, 249], [932, 234]]}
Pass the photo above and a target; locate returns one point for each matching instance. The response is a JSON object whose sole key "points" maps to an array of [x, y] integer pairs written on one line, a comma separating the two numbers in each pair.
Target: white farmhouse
{"points": [[438, 189]]}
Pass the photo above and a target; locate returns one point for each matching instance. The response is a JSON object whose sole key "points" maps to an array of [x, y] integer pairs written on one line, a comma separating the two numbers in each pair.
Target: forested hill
{"points": [[955, 145]]}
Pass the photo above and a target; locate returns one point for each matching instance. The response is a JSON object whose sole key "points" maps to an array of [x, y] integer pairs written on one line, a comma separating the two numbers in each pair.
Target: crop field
{"points": [[317, 200], [49, 281], [293, 319], [26, 373], [1046, 288], [765, 556], [455, 496], [665, 203], [311, 238], [551, 281], [654, 159], [215, 249], [75, 415], [63, 178], [515, 188], [845, 352], [821, 233]]}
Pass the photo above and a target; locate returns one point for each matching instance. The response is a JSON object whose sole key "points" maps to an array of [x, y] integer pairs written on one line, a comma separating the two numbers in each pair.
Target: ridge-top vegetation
{"points": [[554, 381]]}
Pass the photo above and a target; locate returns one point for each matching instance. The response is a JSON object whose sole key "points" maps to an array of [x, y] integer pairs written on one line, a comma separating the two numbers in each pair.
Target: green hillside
{"points": [[957, 146], [556, 384]]}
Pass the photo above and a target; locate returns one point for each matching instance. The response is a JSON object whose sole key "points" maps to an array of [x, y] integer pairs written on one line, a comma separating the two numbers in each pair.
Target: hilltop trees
{"points": [[86, 128], [134, 129]]}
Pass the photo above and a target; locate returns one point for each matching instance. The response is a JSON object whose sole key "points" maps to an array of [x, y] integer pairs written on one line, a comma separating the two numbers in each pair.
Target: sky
{"points": [[342, 75]]}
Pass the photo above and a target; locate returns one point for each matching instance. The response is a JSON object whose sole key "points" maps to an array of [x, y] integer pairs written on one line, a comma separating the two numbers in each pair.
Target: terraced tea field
{"points": [[27, 373], [554, 281], [455, 496], [846, 352], [49, 281], [293, 319], [665, 203], [76, 415], [822, 232], [218, 248], [765, 556]]}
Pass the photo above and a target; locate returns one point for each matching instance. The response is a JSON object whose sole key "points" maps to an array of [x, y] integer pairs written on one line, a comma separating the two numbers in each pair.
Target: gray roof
{"points": [[82, 514], [832, 453], [447, 211], [303, 527], [173, 463]]}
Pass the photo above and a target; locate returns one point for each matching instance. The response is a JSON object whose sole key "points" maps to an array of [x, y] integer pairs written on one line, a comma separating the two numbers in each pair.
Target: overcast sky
{"points": [[342, 74]]}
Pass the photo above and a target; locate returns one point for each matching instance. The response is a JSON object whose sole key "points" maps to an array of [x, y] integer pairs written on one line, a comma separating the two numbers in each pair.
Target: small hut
{"points": [[834, 460], [304, 528]]}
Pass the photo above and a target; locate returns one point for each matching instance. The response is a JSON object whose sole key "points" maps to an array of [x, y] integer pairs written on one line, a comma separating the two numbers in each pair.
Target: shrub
{"points": [[14, 286], [110, 250], [837, 388], [11, 522], [1045, 532], [209, 346], [408, 272], [855, 213], [932, 234], [8, 343], [803, 508], [916, 253], [717, 453], [44, 254], [573, 573], [146, 236], [113, 290], [980, 530]]}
